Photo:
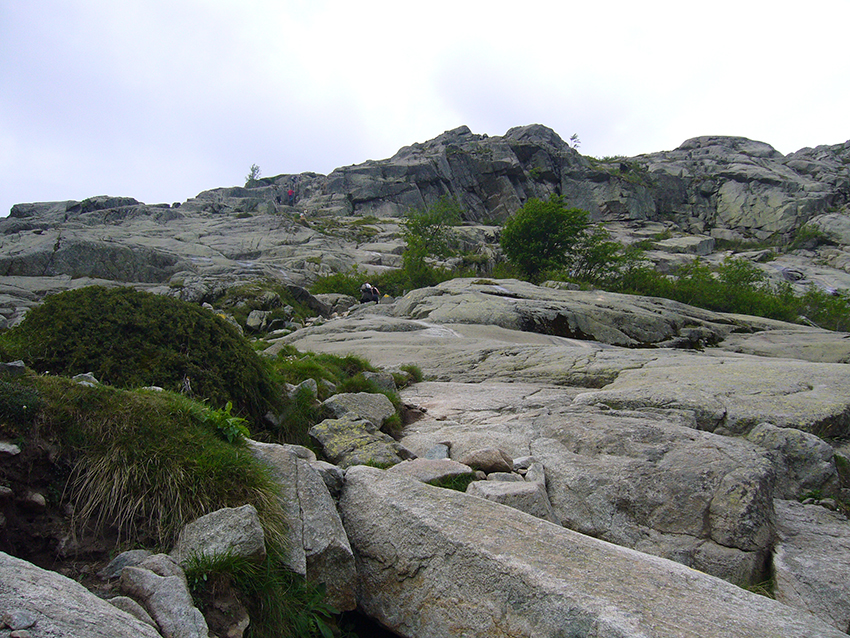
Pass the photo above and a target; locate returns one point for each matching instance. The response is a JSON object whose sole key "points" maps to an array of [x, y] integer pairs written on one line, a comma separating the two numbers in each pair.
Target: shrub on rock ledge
{"points": [[128, 338]]}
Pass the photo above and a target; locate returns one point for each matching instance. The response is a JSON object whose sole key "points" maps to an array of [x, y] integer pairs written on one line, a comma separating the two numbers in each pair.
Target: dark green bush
{"points": [[128, 338], [541, 234]]}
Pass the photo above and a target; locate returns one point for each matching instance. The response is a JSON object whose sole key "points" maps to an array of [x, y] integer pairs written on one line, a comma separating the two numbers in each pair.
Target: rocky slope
{"points": [[637, 437], [709, 189]]}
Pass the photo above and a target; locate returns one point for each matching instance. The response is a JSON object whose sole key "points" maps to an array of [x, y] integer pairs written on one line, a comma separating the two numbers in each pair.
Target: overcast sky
{"points": [[161, 99]]}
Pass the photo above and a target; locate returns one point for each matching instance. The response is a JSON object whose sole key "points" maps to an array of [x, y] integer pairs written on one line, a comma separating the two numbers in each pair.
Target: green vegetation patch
{"points": [[458, 482], [128, 339], [147, 462]]}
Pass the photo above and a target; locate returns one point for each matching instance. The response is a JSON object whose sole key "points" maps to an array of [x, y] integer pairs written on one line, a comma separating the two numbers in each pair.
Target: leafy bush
{"points": [[128, 339], [830, 311], [344, 283], [431, 227], [428, 234], [539, 236], [229, 427]]}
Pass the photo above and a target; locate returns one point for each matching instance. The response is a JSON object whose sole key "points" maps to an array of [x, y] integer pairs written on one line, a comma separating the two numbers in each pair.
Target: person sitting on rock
{"points": [[368, 292]]}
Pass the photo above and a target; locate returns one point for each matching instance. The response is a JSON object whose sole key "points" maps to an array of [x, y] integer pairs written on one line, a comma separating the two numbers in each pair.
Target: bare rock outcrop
{"points": [[810, 564], [440, 563]]}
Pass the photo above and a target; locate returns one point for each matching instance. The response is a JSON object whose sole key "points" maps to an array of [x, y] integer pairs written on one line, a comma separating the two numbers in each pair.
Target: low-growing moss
{"points": [[458, 482]]}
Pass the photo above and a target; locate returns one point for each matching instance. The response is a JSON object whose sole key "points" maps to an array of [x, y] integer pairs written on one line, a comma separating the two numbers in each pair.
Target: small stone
{"points": [[9, 449], [18, 619], [34, 501], [87, 379], [13, 368]]}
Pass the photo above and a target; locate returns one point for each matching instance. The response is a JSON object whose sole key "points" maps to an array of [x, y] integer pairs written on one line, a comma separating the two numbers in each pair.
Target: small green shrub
{"points": [[19, 405], [300, 412], [414, 371], [809, 237], [344, 283], [458, 482], [392, 425], [253, 176], [229, 427]]}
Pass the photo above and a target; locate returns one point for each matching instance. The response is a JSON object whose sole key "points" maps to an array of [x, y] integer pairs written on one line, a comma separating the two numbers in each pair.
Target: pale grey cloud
{"points": [[159, 99]]}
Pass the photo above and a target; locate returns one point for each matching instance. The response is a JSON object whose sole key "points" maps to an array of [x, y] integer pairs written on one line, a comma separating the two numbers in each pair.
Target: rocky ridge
{"points": [[709, 189]]}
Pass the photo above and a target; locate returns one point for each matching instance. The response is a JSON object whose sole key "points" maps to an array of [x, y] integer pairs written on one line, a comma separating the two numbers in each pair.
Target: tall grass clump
{"points": [[145, 463], [280, 604]]}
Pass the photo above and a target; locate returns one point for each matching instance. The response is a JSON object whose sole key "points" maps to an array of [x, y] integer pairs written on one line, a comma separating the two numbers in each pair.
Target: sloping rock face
{"points": [[438, 563], [736, 183], [810, 565]]}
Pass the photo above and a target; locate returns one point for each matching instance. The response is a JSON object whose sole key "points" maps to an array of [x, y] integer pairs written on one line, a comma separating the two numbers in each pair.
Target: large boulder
{"points": [[441, 563], [372, 406], [45, 603], [231, 531]]}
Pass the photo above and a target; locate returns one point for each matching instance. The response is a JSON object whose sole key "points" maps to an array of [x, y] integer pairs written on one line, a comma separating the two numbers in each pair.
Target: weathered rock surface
{"points": [[162, 589], [624, 476], [810, 563], [59, 606], [430, 470], [804, 462], [529, 497], [375, 408], [723, 187], [350, 440], [440, 563]]}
